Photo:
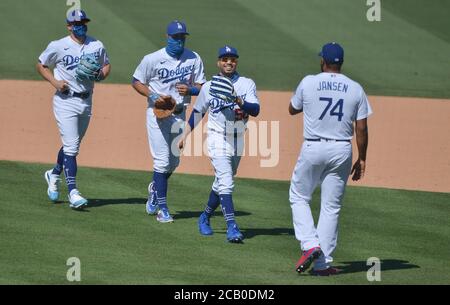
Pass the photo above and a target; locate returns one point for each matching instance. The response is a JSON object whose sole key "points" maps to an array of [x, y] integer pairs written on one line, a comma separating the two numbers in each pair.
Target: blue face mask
{"points": [[175, 47], [79, 30]]}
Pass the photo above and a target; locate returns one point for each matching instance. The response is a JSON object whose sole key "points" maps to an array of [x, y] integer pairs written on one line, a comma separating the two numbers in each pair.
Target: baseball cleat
{"points": [[151, 207], [203, 225], [53, 184], [76, 201], [326, 272], [308, 257], [234, 235], [164, 216]]}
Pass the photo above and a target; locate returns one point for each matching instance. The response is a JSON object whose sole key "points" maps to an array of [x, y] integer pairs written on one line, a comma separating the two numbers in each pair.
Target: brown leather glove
{"points": [[164, 106]]}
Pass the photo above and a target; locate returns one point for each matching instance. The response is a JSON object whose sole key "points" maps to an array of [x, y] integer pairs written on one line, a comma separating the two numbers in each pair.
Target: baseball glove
{"points": [[88, 68], [164, 106], [222, 88]]}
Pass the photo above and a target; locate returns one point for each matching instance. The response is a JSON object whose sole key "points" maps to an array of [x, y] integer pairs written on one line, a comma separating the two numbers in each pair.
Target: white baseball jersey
{"points": [[64, 55], [220, 111], [161, 72], [331, 102]]}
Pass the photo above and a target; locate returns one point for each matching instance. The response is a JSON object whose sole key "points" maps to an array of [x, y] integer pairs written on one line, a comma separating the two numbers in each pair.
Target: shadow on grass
{"points": [[196, 214], [386, 264], [250, 233], [95, 203]]}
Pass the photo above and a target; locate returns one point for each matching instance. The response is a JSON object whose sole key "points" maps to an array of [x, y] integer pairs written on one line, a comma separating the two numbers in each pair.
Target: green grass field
{"points": [[405, 54], [118, 243]]}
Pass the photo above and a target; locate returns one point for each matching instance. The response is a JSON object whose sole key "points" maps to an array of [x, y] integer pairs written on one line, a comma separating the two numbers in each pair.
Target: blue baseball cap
{"points": [[228, 51], [77, 16], [332, 53], [176, 27]]}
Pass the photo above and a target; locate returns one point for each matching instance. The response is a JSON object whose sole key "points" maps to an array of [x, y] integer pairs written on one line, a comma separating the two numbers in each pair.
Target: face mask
{"points": [[79, 30], [175, 47]]}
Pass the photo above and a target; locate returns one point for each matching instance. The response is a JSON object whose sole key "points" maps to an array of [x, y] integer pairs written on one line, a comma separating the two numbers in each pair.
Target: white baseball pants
{"points": [[225, 154], [72, 115], [328, 164], [162, 138]]}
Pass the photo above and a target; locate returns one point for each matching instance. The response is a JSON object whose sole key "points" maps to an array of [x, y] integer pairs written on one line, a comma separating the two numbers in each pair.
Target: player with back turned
{"points": [[78, 61], [332, 103], [167, 78], [230, 98]]}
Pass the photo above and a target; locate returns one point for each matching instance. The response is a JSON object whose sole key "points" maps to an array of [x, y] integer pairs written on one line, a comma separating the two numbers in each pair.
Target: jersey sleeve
{"points": [[297, 99], [199, 71], [364, 109], [49, 56], [104, 58], [143, 71], [251, 95], [201, 103]]}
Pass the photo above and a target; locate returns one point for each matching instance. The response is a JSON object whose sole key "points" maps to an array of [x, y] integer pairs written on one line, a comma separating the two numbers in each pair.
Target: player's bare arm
{"points": [[293, 111], [105, 71], [182, 142], [46, 73], [362, 141], [141, 88], [185, 89]]}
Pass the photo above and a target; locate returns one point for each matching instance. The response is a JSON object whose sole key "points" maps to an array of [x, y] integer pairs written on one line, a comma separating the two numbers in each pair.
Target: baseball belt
{"points": [[82, 95], [326, 140]]}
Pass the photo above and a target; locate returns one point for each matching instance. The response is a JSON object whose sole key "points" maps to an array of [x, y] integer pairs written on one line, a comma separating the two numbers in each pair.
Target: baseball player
{"points": [[78, 61], [331, 103], [230, 99], [167, 78]]}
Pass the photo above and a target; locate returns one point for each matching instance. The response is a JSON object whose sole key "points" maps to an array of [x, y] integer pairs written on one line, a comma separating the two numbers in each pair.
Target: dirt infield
{"points": [[409, 144]]}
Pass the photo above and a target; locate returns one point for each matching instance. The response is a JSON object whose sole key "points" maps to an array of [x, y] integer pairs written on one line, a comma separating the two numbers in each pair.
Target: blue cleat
{"points": [[52, 181], [164, 216], [76, 201], [203, 225], [151, 207], [234, 235]]}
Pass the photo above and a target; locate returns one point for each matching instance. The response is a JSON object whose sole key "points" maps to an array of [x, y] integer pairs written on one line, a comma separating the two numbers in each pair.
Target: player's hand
{"points": [[181, 144], [182, 88], [61, 85], [239, 101], [162, 98], [358, 170]]}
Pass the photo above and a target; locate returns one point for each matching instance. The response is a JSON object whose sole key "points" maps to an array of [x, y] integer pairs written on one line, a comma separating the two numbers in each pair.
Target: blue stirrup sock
{"points": [[227, 208], [160, 183], [59, 163], [213, 203], [70, 170]]}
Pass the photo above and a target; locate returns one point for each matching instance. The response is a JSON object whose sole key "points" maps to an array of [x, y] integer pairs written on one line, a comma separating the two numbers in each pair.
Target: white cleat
{"points": [[76, 201], [53, 185]]}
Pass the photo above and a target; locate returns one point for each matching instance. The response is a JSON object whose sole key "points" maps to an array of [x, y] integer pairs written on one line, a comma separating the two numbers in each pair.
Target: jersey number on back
{"points": [[336, 110]]}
